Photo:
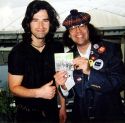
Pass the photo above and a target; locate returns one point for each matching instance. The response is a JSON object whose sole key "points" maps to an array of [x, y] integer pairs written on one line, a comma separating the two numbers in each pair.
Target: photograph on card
{"points": [[63, 61]]}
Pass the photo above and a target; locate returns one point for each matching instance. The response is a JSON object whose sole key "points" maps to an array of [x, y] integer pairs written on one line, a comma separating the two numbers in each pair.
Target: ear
{"points": [[69, 36]]}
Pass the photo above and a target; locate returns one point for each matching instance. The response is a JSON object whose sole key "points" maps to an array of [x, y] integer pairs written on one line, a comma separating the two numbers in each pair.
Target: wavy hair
{"points": [[94, 36], [32, 9]]}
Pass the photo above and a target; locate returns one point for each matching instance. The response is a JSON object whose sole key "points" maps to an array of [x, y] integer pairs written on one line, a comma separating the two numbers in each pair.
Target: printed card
{"points": [[63, 61]]}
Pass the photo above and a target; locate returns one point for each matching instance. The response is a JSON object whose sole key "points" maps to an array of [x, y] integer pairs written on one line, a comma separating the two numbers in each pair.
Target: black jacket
{"points": [[97, 96]]}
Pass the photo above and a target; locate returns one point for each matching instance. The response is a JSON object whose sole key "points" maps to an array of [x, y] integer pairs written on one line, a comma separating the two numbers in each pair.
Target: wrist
{"points": [[37, 93], [87, 72], [63, 87]]}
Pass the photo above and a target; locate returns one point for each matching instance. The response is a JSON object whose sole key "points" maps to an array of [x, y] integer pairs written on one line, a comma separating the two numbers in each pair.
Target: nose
{"points": [[78, 29], [40, 24]]}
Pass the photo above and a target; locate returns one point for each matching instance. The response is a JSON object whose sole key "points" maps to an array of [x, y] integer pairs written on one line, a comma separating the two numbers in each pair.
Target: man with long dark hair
{"points": [[31, 66], [98, 72]]}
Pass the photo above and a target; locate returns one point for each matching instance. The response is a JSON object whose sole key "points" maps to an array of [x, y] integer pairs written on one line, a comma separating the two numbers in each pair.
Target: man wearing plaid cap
{"points": [[98, 72]]}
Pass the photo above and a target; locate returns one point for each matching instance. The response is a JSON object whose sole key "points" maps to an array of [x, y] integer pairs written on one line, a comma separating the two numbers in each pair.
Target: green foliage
{"points": [[3, 102], [7, 104]]}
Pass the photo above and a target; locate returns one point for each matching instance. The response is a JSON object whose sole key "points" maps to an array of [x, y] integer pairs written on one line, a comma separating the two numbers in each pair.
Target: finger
{"points": [[62, 73]]}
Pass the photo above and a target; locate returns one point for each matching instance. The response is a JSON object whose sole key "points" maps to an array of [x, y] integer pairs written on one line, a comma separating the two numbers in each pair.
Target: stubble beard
{"points": [[38, 36]]}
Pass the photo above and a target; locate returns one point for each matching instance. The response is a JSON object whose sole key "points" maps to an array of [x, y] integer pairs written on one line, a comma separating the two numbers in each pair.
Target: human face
{"points": [[40, 25], [79, 34]]}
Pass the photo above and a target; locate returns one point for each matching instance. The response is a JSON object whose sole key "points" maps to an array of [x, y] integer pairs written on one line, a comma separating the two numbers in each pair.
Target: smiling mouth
{"points": [[79, 36]]}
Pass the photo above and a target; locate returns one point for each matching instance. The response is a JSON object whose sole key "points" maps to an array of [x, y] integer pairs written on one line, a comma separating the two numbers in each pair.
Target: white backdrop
{"points": [[104, 13]]}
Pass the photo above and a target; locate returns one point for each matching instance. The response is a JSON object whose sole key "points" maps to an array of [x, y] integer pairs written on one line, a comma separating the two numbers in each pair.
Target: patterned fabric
{"points": [[76, 18]]}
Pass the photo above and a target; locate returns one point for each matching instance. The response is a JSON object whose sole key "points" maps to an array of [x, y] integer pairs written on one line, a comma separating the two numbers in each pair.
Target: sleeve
{"points": [[65, 93], [111, 76], [15, 63]]}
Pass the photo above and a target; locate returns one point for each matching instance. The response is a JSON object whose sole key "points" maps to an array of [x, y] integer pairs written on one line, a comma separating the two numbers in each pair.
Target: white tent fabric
{"points": [[104, 13]]}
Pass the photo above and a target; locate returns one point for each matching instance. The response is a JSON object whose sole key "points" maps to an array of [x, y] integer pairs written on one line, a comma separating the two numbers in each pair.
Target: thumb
{"points": [[50, 83]]}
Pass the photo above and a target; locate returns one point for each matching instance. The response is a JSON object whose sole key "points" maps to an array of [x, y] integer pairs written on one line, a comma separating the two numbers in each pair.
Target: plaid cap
{"points": [[76, 18]]}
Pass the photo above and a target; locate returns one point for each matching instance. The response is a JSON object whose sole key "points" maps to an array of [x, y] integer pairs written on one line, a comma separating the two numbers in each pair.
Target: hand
{"points": [[83, 64], [47, 91], [60, 77]]}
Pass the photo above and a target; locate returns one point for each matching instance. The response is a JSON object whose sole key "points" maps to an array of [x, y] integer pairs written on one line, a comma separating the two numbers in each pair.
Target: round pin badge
{"points": [[91, 52], [101, 49], [98, 64], [96, 46], [93, 57]]}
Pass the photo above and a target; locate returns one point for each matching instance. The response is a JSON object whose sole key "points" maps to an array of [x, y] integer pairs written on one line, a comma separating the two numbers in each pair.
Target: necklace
{"points": [[38, 46]]}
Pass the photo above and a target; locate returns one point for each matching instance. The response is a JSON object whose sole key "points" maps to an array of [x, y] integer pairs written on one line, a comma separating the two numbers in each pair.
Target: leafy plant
{"points": [[7, 105]]}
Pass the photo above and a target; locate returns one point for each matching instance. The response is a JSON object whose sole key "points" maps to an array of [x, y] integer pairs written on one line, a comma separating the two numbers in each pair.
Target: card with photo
{"points": [[63, 61]]}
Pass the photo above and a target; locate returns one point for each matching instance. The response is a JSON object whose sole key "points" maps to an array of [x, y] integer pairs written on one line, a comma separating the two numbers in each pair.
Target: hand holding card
{"points": [[63, 62]]}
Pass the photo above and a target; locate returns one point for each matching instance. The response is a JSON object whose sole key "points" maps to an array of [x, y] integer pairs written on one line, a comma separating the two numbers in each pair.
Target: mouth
{"points": [[40, 31], [79, 36]]}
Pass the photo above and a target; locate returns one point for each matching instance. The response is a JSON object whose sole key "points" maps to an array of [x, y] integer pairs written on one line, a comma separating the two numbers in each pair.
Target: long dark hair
{"points": [[94, 36], [33, 8]]}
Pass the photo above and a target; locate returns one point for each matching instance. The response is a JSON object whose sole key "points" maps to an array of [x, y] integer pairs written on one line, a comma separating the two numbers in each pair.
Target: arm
{"points": [[47, 91], [62, 111], [16, 67], [60, 81]]}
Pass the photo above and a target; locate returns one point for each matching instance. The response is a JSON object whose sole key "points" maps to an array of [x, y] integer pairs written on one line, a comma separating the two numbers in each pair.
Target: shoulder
{"points": [[109, 46], [18, 46], [18, 50], [113, 47]]}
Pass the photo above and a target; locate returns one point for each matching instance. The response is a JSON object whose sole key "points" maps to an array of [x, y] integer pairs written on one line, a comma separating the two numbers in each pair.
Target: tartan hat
{"points": [[76, 18]]}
